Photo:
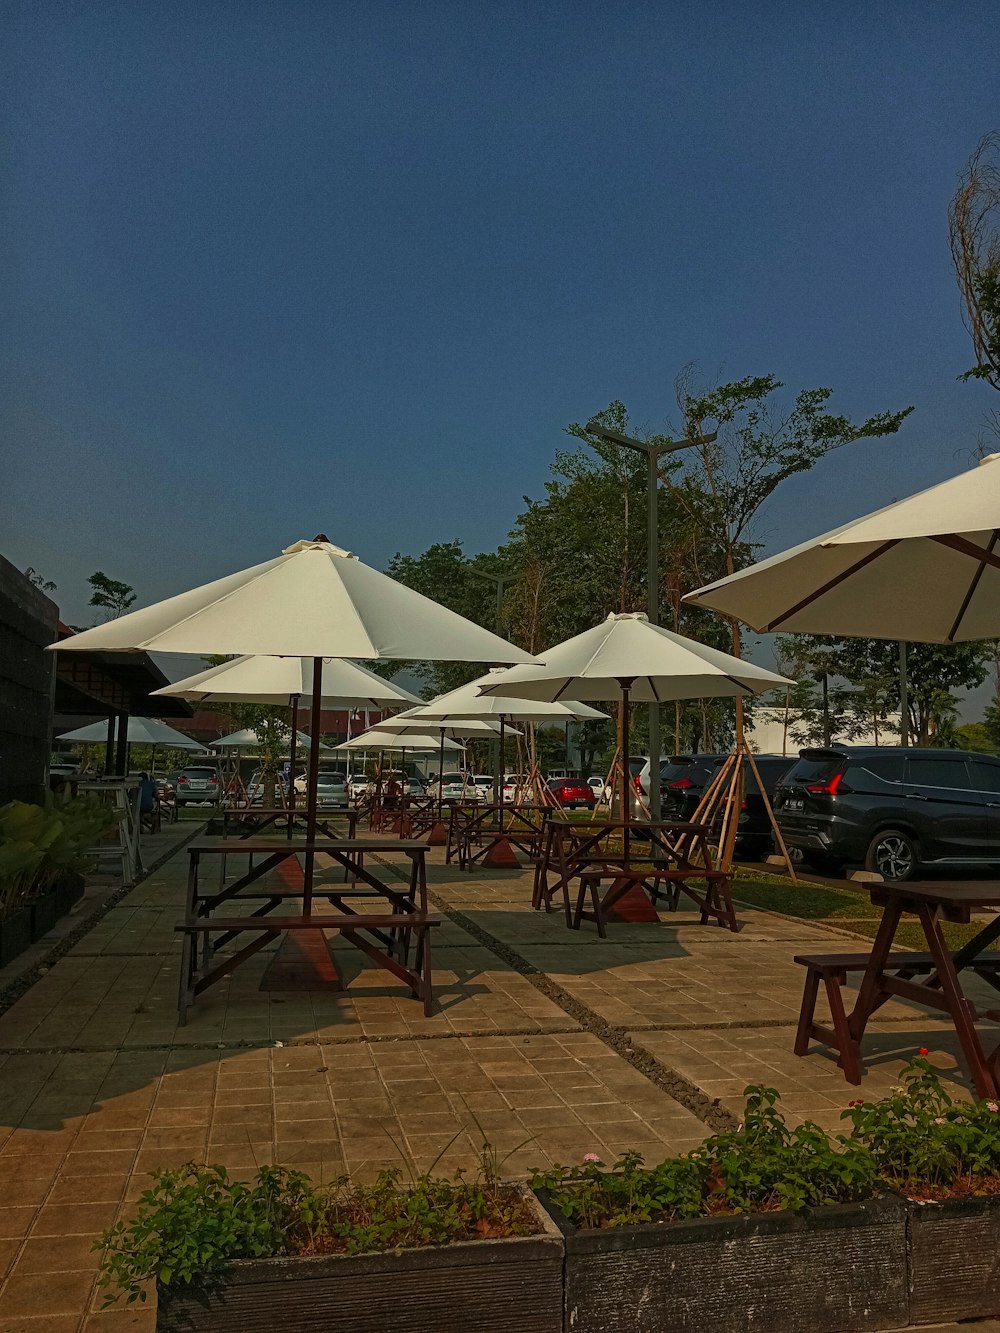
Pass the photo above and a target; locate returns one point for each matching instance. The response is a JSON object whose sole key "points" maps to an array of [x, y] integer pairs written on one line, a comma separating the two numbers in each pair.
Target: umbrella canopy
{"points": [[652, 663], [246, 739], [141, 731], [628, 658], [416, 719], [926, 568], [313, 600], [468, 702], [279, 680], [377, 739]]}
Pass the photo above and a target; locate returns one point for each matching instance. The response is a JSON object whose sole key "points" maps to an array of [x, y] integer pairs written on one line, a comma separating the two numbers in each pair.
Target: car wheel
{"points": [[892, 854]]}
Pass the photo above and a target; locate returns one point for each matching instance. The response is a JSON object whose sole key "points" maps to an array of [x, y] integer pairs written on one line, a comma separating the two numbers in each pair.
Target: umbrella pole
{"points": [[626, 772], [440, 777], [291, 763], [317, 695], [501, 768]]}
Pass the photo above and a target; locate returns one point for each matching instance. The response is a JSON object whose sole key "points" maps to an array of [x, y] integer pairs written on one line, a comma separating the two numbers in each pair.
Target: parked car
{"points": [[512, 784], [197, 784], [257, 790], [358, 786], [331, 792], [453, 786], [572, 793], [683, 779], [754, 834], [895, 810], [599, 787], [483, 783]]}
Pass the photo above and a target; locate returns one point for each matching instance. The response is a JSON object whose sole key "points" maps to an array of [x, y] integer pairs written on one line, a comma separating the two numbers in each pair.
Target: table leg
{"points": [[870, 993], [958, 1006]]}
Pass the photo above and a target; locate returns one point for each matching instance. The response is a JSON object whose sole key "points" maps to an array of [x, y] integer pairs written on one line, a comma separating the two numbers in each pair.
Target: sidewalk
{"points": [[552, 1042]]}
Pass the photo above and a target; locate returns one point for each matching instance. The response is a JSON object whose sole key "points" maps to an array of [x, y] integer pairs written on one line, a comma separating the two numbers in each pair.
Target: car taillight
{"points": [[182, 780], [827, 788], [638, 784], [682, 784]]}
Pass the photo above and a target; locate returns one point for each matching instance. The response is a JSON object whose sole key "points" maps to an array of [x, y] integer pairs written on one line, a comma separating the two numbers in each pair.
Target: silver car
{"points": [[198, 783]]}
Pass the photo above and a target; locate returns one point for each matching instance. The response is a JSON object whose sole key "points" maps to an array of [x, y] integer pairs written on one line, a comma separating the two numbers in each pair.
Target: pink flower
{"points": [[923, 1051], [591, 1157], [939, 1120], [992, 1106]]}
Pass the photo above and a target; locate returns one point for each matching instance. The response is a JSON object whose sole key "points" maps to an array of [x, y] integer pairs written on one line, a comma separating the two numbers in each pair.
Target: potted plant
{"points": [[944, 1156], [767, 1227], [428, 1254], [43, 850]]}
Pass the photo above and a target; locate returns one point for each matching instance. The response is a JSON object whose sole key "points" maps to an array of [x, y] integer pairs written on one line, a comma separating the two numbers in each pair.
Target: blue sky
{"points": [[273, 269]]}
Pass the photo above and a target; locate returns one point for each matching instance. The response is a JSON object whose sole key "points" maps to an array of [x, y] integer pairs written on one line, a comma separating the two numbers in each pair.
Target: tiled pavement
{"points": [[538, 1042]]}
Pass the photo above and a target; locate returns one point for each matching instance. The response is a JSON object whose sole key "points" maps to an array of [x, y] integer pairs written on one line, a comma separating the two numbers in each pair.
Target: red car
{"points": [[572, 793]]}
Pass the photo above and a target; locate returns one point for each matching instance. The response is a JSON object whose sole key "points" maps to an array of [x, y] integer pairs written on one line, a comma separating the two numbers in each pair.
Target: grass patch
{"points": [[848, 909]]}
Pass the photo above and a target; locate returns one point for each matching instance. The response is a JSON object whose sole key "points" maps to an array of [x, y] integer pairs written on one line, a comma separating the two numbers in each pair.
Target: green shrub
{"points": [[39, 843]]}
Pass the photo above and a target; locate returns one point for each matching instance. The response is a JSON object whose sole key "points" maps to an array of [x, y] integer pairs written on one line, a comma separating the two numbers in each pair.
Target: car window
{"points": [[927, 771], [814, 770], [985, 775], [887, 767], [199, 772]]}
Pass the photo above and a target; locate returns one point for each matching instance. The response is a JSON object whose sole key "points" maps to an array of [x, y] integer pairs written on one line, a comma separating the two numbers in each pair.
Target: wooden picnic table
{"points": [[662, 858], [487, 827], [931, 979], [383, 935], [253, 820]]}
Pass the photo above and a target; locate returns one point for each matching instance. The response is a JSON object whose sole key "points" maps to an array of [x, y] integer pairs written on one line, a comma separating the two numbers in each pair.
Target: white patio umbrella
{"points": [[467, 701], [628, 658], [247, 738], [402, 742], [141, 731], [283, 682], [926, 568], [314, 600], [280, 681]]}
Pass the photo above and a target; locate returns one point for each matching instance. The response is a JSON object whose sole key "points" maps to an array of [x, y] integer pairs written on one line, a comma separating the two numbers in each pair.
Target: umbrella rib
{"points": [[965, 547], [830, 584], [972, 587]]}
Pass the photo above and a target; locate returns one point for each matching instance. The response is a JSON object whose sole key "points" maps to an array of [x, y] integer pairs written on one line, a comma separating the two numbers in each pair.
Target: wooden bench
{"points": [[398, 924], [673, 877], [832, 970]]}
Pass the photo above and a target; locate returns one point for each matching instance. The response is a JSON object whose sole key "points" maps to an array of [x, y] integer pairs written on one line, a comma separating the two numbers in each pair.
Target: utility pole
{"points": [[503, 582], [652, 449]]}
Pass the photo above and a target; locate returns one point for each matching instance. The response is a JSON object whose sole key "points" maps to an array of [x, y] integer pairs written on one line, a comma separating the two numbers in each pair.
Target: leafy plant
{"points": [[920, 1135], [40, 843], [195, 1220], [765, 1164], [595, 1195]]}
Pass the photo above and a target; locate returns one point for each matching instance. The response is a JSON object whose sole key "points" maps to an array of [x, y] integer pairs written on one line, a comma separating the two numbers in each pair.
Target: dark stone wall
{"points": [[28, 621]]}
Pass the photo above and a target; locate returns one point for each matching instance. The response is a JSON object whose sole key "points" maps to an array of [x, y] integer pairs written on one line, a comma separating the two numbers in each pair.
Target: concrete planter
{"points": [[483, 1285], [15, 935], [51, 906], [953, 1260], [826, 1270]]}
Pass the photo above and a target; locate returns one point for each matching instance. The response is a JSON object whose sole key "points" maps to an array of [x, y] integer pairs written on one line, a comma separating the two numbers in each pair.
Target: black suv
{"points": [[892, 809]]}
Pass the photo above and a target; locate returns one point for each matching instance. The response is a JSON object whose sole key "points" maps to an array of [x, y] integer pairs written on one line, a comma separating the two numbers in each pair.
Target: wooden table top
{"points": [[982, 893], [292, 845]]}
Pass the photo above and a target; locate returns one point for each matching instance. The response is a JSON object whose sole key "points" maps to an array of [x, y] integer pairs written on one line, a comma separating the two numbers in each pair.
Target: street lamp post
{"points": [[652, 450], [503, 582]]}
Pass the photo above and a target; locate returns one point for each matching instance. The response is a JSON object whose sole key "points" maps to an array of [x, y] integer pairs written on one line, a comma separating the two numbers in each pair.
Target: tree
{"points": [[446, 575], [974, 232], [38, 580], [110, 595], [870, 669]]}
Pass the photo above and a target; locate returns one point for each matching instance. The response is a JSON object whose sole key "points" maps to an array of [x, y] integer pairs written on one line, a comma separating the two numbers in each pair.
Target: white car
{"points": [[600, 787], [358, 786], [453, 787], [512, 784]]}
